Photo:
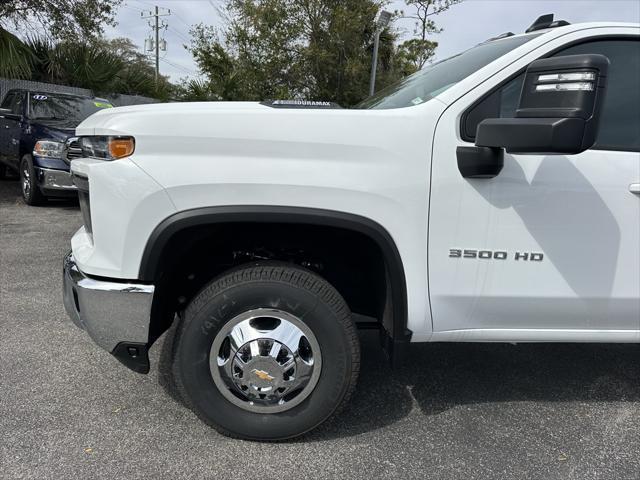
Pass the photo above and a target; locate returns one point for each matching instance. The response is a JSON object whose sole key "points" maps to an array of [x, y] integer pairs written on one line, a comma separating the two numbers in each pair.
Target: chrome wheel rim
{"points": [[26, 181], [265, 361]]}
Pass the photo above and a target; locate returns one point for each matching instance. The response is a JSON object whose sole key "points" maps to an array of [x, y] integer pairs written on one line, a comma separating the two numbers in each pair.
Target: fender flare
{"points": [[173, 224]]}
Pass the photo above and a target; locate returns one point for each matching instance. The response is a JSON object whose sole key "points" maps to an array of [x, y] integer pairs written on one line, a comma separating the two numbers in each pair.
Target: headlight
{"points": [[107, 148], [49, 149]]}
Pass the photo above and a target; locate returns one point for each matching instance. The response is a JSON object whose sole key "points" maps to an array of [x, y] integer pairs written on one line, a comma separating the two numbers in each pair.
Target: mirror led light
{"points": [[565, 87], [567, 77]]}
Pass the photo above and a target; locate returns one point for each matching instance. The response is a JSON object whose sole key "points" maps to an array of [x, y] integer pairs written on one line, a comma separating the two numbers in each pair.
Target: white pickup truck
{"points": [[491, 197]]}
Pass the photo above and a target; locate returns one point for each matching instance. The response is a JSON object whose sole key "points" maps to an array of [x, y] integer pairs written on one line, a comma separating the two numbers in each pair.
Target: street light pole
{"points": [[157, 29], [374, 62], [382, 20]]}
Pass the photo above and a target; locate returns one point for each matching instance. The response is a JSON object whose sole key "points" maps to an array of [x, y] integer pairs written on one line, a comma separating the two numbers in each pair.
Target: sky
{"points": [[465, 24]]}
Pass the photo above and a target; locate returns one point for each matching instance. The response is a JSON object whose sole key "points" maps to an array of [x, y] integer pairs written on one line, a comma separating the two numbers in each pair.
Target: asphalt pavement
{"points": [[456, 411]]}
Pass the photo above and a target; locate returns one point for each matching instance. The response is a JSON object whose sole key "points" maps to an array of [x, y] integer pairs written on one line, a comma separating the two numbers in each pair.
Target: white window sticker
{"points": [[40, 97]]}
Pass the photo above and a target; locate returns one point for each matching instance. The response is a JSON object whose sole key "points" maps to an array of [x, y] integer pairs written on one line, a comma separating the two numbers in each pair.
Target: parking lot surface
{"points": [[70, 410]]}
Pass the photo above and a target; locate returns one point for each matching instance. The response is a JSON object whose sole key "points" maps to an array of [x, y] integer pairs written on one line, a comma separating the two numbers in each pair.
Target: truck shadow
{"points": [[566, 216], [441, 376]]}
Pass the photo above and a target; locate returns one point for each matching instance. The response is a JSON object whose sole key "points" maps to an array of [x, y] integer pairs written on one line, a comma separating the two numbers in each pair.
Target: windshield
{"points": [[68, 109], [438, 77]]}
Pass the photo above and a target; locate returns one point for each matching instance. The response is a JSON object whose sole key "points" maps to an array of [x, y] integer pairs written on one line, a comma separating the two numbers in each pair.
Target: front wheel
{"points": [[266, 352], [30, 191]]}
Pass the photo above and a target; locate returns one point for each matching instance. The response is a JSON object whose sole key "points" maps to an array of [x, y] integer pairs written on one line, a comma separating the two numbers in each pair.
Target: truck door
{"points": [[4, 127], [550, 248], [11, 129]]}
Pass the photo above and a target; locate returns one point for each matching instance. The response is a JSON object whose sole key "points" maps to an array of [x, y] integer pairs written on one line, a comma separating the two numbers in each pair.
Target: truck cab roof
{"points": [[560, 29]]}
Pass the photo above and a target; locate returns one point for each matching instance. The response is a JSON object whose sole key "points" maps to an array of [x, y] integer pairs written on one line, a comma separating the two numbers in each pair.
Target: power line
{"points": [[145, 3], [131, 8], [181, 19], [179, 34], [179, 67]]}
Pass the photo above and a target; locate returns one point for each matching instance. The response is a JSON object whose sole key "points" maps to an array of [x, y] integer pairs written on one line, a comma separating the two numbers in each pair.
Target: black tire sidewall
{"points": [[35, 195], [200, 328]]}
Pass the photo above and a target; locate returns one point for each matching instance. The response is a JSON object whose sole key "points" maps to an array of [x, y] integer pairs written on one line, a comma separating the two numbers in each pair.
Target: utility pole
{"points": [[154, 42]]}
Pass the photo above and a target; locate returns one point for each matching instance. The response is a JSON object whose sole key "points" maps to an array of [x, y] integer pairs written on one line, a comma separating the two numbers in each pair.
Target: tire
{"points": [[303, 302], [28, 184]]}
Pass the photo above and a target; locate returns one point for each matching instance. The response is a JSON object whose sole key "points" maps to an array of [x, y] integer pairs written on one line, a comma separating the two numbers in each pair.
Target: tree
{"points": [[196, 91], [314, 49], [103, 66], [414, 53], [221, 68], [259, 57], [137, 73], [59, 18], [418, 51], [340, 44], [15, 56]]}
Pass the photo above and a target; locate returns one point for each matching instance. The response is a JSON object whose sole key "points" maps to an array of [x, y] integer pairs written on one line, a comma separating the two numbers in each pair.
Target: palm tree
{"points": [[16, 58], [98, 66], [86, 66], [43, 68], [197, 91]]}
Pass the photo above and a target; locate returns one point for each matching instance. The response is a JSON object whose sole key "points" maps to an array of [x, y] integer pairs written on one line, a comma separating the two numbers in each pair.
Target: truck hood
{"points": [[99, 122], [243, 120], [51, 131], [240, 140]]}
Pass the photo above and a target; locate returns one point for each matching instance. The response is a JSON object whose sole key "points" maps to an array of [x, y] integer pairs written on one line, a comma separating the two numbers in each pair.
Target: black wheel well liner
{"points": [[177, 222]]}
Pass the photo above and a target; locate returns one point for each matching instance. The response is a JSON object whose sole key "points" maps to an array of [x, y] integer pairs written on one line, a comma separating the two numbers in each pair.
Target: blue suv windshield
{"points": [[69, 109], [437, 77]]}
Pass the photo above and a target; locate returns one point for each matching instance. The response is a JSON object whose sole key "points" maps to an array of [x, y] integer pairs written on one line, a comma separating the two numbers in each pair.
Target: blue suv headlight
{"points": [[49, 149]]}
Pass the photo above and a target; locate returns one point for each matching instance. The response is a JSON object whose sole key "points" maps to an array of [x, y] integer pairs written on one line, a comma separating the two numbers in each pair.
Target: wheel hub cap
{"points": [[26, 181], [265, 360]]}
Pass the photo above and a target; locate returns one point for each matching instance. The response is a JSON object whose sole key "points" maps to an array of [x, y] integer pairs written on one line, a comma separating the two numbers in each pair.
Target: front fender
{"points": [[398, 333]]}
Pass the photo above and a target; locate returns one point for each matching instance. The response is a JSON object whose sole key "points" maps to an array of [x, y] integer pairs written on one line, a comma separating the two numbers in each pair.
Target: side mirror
{"points": [[559, 108], [7, 113]]}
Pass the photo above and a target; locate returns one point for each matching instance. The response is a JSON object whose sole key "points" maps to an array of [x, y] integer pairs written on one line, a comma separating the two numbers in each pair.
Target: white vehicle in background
{"points": [[490, 197]]}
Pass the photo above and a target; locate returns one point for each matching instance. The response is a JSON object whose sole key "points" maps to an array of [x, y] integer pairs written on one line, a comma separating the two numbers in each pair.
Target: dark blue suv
{"points": [[37, 139]]}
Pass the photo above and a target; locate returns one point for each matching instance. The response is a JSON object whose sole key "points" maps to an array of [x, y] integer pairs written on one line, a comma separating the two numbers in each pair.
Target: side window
{"points": [[18, 102], [7, 102], [620, 120], [501, 103], [510, 97]]}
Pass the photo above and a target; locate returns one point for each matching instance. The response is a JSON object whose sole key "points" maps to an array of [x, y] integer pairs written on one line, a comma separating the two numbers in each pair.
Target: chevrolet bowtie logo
{"points": [[262, 375]]}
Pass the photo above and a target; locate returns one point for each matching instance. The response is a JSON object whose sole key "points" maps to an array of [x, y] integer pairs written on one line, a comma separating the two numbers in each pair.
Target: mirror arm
{"points": [[480, 162]]}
